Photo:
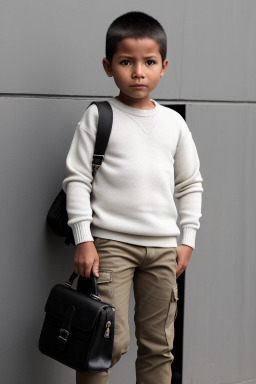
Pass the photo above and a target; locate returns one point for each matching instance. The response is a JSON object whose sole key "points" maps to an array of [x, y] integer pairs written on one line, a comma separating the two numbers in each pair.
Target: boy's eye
{"points": [[150, 62], [125, 62]]}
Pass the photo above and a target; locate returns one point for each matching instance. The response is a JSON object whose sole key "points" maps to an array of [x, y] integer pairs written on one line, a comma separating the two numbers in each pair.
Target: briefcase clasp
{"points": [[63, 336]]}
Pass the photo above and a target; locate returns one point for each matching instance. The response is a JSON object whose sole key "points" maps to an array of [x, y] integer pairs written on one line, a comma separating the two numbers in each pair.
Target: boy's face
{"points": [[136, 67]]}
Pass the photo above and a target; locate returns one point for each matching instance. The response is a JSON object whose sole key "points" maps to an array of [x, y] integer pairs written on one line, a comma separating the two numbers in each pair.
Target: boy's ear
{"points": [[107, 67], [165, 63]]}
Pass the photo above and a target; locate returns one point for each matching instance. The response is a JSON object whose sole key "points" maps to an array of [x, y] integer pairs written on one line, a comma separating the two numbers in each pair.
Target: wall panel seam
{"points": [[86, 97]]}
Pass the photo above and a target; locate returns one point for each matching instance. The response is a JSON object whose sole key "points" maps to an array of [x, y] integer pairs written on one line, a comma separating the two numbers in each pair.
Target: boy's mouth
{"points": [[138, 86]]}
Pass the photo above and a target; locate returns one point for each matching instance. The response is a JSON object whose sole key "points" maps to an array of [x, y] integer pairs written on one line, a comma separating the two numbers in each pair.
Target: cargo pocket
{"points": [[105, 288], [171, 316]]}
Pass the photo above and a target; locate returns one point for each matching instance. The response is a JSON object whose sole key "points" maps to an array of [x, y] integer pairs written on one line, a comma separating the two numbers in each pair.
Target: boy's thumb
{"points": [[95, 268]]}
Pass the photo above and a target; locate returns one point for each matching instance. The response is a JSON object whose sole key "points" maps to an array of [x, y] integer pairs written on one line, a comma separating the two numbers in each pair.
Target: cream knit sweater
{"points": [[150, 159]]}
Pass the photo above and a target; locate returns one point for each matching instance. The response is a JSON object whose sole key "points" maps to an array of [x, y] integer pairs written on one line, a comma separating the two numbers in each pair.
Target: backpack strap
{"points": [[103, 133]]}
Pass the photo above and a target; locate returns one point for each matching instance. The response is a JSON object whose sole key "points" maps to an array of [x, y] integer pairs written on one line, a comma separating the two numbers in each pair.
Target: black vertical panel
{"points": [[179, 322]]}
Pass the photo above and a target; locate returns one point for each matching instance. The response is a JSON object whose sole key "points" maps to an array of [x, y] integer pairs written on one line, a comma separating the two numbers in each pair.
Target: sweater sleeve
{"points": [[188, 186], [78, 183]]}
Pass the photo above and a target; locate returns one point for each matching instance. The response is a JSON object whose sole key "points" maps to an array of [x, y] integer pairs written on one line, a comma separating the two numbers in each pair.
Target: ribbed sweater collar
{"points": [[135, 111]]}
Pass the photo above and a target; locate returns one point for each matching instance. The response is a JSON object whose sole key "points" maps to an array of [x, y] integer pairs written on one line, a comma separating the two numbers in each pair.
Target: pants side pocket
{"points": [[171, 316]]}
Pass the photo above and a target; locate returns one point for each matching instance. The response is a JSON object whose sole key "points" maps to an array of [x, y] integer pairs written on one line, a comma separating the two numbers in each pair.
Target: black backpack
{"points": [[57, 216]]}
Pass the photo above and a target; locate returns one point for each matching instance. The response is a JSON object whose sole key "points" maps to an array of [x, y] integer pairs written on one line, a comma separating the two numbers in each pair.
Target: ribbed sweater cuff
{"points": [[82, 232], [189, 236]]}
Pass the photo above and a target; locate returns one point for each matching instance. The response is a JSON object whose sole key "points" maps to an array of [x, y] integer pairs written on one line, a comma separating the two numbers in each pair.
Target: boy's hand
{"points": [[86, 259], [183, 255]]}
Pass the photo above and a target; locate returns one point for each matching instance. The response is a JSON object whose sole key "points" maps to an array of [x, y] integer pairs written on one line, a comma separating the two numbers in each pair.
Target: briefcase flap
{"points": [[86, 309]]}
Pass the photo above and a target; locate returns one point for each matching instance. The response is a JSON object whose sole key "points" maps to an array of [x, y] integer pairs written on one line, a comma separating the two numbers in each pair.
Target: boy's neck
{"points": [[136, 103]]}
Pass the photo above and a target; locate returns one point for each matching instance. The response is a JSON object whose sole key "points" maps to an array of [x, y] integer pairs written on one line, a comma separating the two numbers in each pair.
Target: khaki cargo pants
{"points": [[153, 272]]}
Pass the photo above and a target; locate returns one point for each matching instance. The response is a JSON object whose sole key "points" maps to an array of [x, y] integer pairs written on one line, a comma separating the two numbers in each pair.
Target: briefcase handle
{"points": [[93, 284]]}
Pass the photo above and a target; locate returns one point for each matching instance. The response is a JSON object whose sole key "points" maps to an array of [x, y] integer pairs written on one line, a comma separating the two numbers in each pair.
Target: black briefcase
{"points": [[78, 328]]}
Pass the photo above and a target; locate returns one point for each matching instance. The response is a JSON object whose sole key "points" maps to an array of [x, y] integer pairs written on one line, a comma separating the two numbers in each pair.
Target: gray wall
{"points": [[50, 69], [220, 306]]}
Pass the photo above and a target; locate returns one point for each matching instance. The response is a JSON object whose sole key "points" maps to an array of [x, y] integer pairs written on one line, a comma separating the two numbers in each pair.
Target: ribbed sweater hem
{"points": [[147, 241], [83, 233]]}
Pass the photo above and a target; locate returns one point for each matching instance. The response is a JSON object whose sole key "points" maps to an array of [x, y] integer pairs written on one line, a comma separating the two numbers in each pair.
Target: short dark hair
{"points": [[136, 25]]}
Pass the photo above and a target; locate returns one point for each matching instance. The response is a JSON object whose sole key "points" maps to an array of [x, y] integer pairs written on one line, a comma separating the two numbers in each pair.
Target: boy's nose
{"points": [[138, 72]]}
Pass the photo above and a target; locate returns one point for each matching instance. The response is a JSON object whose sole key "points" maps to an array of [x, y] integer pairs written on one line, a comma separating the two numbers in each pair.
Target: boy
{"points": [[124, 223]]}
